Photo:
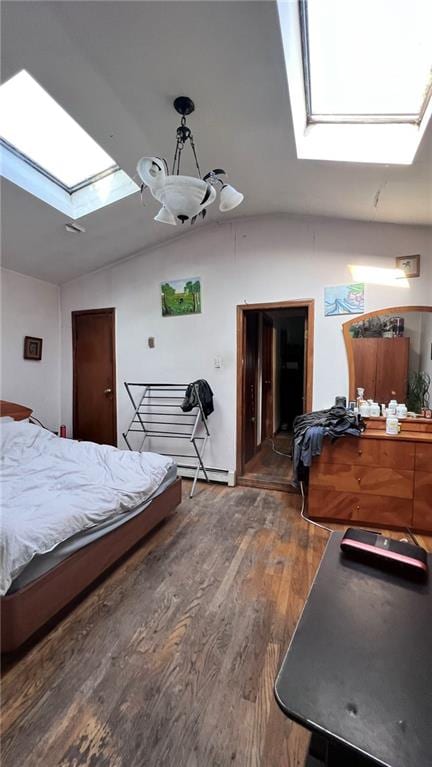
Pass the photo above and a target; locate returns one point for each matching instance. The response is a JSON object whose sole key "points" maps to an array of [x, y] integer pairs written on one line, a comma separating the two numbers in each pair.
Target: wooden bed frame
{"points": [[27, 610], [17, 412]]}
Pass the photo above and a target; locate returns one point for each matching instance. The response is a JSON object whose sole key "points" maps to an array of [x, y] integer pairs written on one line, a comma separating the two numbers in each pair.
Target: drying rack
{"points": [[162, 401]]}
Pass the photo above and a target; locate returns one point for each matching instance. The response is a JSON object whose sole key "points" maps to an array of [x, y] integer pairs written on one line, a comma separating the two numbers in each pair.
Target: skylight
{"points": [[366, 60], [39, 129], [359, 78]]}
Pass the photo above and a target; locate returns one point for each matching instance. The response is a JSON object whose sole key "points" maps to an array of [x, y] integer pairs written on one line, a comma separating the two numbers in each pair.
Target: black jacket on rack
{"points": [[201, 389]]}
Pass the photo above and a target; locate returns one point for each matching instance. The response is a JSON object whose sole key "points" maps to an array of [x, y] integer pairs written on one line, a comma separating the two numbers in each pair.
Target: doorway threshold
{"points": [[266, 483], [271, 466]]}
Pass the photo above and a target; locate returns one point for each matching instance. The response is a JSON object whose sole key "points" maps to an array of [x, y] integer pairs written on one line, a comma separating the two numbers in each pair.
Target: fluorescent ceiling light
{"points": [[34, 124], [367, 58]]}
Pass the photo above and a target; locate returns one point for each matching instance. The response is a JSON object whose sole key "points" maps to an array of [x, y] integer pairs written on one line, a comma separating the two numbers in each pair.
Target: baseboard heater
{"points": [[225, 476]]}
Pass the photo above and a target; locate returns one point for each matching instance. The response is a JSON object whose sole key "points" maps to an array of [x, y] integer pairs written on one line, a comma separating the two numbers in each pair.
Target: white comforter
{"points": [[52, 488]]}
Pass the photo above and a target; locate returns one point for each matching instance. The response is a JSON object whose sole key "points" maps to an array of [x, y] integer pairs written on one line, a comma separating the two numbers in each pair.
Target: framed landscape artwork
{"points": [[344, 299], [181, 297]]}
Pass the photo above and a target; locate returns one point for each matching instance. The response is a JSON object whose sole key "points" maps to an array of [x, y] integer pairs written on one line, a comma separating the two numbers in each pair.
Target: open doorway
{"points": [[274, 385]]}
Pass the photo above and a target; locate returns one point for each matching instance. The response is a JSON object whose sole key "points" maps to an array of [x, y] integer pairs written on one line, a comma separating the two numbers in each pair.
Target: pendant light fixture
{"points": [[184, 198]]}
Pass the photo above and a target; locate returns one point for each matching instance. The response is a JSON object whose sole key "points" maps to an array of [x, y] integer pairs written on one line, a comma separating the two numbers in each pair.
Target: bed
{"points": [[70, 511]]}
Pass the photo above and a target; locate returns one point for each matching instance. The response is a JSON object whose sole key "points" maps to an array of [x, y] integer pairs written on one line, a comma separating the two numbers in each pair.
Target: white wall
{"points": [[271, 258], [30, 307]]}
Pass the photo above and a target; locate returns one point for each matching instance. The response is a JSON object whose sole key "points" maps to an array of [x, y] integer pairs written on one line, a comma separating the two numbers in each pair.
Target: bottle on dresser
{"points": [[360, 400]]}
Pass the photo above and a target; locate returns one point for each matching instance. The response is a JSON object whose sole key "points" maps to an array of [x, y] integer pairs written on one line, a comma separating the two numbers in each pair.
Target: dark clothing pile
{"points": [[311, 428], [202, 390]]}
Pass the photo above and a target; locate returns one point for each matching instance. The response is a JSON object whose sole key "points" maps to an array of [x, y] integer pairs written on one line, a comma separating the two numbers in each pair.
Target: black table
{"points": [[358, 671]]}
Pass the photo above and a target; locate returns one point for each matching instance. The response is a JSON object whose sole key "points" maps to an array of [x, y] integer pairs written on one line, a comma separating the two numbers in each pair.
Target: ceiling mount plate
{"points": [[184, 105]]}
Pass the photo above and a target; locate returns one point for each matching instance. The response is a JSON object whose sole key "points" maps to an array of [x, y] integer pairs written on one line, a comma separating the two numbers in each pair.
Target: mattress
{"points": [[54, 489], [43, 563]]}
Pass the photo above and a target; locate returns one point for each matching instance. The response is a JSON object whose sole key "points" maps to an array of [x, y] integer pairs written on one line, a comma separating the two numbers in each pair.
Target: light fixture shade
{"points": [[151, 171], [165, 217], [185, 196], [229, 198]]}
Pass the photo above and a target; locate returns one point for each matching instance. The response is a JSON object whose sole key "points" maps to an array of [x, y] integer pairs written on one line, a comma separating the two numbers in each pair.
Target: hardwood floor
{"points": [[171, 660], [270, 469]]}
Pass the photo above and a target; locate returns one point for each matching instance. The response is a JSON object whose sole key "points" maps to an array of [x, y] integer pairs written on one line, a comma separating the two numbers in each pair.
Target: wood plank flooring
{"points": [[170, 661], [270, 469]]}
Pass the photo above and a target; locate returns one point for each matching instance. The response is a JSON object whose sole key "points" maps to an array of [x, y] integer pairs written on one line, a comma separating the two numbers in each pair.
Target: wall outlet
{"points": [[151, 342]]}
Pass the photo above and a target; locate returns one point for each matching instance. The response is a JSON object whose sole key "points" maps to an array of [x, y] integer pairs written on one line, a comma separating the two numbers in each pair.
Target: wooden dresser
{"points": [[375, 479]]}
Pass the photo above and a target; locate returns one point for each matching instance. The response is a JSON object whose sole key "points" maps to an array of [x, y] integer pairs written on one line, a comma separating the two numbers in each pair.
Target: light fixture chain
{"points": [[191, 139], [181, 145], [174, 159]]}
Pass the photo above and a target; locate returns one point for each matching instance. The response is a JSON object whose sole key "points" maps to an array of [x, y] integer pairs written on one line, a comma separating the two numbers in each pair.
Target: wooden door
{"points": [[267, 380], [365, 366], [392, 369], [94, 376], [250, 384]]}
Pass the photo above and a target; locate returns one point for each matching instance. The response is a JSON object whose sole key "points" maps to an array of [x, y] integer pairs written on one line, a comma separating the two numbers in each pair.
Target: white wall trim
{"points": [[225, 476]]}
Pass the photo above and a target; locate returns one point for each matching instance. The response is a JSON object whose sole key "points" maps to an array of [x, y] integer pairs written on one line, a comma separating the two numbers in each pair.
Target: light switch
{"points": [[151, 342], [218, 362]]}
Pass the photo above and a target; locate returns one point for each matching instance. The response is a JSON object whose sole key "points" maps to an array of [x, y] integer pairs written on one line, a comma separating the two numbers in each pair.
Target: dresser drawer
{"points": [[357, 507], [422, 519], [422, 515], [423, 456], [369, 452], [396, 483]]}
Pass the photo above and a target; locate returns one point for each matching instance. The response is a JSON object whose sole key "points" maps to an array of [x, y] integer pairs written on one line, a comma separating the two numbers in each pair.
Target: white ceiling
{"points": [[117, 66]]}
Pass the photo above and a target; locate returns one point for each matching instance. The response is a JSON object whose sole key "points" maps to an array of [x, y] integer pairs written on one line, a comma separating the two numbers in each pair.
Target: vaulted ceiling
{"points": [[117, 66]]}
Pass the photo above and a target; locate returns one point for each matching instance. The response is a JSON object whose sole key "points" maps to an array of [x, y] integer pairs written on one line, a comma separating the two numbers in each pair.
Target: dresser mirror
{"points": [[389, 355]]}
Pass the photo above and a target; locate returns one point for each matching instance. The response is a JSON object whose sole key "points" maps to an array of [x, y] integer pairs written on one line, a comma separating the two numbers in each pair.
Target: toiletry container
{"points": [[401, 411], [392, 425]]}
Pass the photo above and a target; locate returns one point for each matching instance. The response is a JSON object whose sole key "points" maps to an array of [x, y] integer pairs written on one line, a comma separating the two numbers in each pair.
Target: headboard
{"points": [[17, 412]]}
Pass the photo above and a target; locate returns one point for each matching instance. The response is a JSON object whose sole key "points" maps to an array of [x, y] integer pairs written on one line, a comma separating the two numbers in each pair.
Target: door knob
{"points": [[107, 391]]}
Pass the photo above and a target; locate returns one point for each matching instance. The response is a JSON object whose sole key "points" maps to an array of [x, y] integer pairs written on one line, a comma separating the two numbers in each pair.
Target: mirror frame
{"points": [[358, 318]]}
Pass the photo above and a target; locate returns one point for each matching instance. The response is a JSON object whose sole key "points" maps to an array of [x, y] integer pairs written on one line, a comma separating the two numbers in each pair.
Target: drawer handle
{"points": [[360, 452], [359, 479]]}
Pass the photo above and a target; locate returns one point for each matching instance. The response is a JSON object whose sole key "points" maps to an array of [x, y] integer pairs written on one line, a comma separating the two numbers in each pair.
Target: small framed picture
{"points": [[32, 348], [409, 264]]}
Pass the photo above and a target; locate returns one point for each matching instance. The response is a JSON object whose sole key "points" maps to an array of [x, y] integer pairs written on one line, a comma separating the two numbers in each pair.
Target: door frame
{"points": [[110, 311], [267, 322], [309, 305], [255, 355]]}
